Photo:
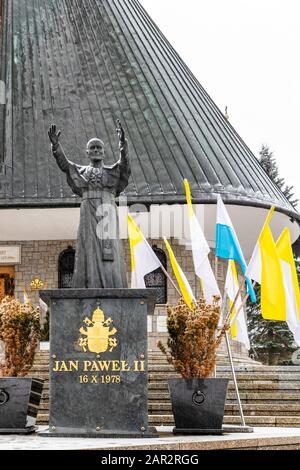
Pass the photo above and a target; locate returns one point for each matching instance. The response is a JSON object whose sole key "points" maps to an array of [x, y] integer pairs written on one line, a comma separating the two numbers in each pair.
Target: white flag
{"points": [[143, 258], [200, 251], [291, 283]]}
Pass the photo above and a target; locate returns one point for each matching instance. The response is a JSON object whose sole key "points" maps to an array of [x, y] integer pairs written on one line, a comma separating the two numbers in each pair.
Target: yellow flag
{"points": [[265, 268], [183, 283], [233, 328], [238, 329], [135, 237], [272, 288]]}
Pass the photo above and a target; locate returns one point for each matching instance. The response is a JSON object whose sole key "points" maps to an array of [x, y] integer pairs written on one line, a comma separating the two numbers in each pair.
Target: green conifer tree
{"points": [[269, 164]]}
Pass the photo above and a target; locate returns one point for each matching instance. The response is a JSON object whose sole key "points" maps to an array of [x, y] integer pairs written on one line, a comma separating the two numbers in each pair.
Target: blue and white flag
{"points": [[227, 244]]}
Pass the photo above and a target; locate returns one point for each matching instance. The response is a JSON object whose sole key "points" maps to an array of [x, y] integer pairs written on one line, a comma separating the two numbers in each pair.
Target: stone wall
{"points": [[39, 259]]}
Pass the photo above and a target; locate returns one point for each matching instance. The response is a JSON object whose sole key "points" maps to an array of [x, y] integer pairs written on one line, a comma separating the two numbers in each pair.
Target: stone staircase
{"points": [[270, 394]]}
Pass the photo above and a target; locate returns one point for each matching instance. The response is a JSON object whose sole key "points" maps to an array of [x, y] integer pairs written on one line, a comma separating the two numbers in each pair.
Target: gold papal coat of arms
{"points": [[96, 336]]}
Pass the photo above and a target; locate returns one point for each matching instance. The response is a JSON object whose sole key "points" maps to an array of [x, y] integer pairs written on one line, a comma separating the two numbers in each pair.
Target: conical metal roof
{"points": [[81, 64]]}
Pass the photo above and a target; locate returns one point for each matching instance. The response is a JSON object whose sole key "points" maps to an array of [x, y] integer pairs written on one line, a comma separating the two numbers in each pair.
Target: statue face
{"points": [[95, 149]]}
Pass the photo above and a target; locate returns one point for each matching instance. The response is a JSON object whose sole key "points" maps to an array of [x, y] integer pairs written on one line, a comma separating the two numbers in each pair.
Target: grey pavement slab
{"points": [[261, 437]]}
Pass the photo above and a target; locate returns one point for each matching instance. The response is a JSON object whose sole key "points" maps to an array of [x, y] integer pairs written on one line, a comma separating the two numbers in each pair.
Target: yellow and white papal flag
{"points": [[143, 258], [183, 283], [238, 329], [265, 268], [200, 250], [291, 283]]}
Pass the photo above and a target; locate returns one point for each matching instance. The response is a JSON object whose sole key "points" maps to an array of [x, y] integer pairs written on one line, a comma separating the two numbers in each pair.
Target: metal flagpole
{"points": [[216, 273], [235, 300], [230, 357], [233, 371], [241, 306], [234, 380], [170, 279]]}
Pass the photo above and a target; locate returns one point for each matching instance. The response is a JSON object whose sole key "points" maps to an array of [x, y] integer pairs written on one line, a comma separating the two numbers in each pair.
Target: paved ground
{"points": [[261, 438]]}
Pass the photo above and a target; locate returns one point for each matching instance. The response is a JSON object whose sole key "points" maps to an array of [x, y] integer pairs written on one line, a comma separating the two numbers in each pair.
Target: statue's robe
{"points": [[99, 260]]}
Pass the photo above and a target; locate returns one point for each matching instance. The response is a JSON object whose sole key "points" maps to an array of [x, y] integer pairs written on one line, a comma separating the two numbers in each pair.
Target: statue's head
{"points": [[95, 149]]}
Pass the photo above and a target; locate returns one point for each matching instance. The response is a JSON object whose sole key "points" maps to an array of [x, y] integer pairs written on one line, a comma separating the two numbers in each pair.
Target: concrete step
{"points": [[233, 409], [259, 409], [244, 386], [230, 410], [263, 369], [40, 368], [247, 397], [157, 390], [265, 421], [271, 376], [44, 406], [162, 387], [39, 375], [278, 421], [165, 367], [42, 419]]}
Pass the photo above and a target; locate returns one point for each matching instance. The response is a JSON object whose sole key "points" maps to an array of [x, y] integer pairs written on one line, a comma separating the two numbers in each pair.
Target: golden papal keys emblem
{"points": [[97, 336]]}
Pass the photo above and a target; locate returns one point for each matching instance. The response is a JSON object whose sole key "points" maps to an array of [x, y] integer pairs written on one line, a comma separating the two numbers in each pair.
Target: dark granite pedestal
{"points": [[98, 362]]}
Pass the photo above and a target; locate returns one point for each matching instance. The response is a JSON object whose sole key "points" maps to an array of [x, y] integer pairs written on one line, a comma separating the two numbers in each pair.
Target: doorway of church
{"points": [[7, 281]]}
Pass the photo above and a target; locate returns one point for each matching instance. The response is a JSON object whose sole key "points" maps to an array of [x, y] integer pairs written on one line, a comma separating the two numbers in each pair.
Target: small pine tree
{"points": [[19, 331], [265, 334], [269, 164], [193, 337]]}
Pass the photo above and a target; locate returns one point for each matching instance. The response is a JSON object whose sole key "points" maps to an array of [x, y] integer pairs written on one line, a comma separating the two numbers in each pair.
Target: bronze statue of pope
{"points": [[99, 260]]}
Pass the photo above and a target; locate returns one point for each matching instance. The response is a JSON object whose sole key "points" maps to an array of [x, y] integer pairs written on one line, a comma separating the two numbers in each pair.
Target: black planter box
{"points": [[198, 405], [19, 402]]}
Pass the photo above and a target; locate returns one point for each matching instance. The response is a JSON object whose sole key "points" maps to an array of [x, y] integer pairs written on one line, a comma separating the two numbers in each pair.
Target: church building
{"points": [[82, 65]]}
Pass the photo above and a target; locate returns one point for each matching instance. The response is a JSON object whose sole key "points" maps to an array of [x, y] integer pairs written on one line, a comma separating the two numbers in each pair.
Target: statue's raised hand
{"points": [[121, 133], [54, 135]]}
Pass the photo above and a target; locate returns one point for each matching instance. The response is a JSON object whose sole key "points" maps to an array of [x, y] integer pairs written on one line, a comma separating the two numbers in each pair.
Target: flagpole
{"points": [[230, 356], [234, 379], [216, 271], [201, 285], [233, 371], [170, 279], [241, 306], [235, 300], [216, 267]]}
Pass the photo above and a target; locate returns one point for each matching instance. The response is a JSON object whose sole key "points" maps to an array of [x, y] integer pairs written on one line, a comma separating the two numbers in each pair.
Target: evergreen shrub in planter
{"points": [[198, 401], [19, 395]]}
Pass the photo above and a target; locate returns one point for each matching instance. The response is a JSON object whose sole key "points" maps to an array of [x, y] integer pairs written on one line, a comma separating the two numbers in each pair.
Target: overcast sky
{"points": [[246, 54]]}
